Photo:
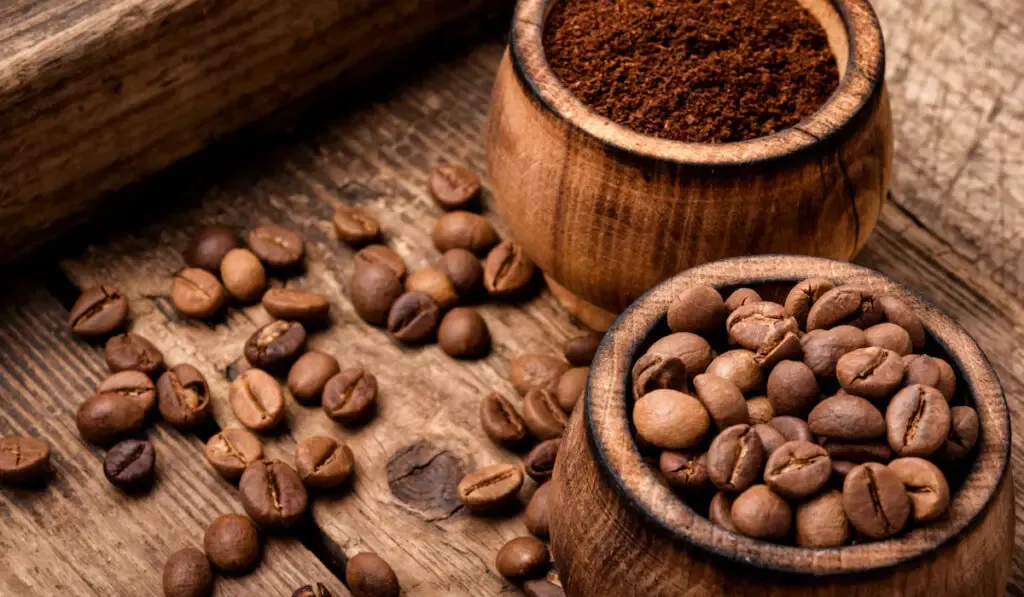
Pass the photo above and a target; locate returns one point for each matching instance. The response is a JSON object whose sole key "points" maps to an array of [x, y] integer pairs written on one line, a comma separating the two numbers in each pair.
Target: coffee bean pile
{"points": [[822, 413]]}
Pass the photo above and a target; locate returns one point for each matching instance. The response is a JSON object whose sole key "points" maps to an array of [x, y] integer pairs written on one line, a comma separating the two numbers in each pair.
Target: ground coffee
{"points": [[702, 71]]}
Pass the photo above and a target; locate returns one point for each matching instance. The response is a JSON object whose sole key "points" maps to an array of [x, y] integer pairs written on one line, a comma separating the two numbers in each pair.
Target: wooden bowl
{"points": [[617, 530], [608, 212]]}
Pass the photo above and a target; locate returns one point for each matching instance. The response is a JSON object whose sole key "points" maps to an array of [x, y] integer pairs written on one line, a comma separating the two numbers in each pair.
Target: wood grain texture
{"points": [[78, 535]]}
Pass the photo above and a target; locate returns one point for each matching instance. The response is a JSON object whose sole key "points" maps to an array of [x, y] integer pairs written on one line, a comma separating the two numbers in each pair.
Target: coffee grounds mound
{"points": [[701, 71]]}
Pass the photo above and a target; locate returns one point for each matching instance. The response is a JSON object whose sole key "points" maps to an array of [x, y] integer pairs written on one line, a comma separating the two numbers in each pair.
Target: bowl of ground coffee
{"points": [[785, 425], [629, 140]]}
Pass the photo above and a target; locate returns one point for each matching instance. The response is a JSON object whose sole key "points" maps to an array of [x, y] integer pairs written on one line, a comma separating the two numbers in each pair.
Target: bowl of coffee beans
{"points": [[793, 424], [629, 141]]}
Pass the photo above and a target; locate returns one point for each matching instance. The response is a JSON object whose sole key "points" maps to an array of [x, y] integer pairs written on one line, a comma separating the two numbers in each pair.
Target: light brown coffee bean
{"points": [[740, 297], [740, 367], [792, 389], [187, 573], [760, 513], [132, 352], [134, 385], [792, 428], [540, 461], [323, 462], [722, 399], [23, 460], [754, 325], [671, 420], [257, 400], [465, 272], [453, 186], [277, 246], [858, 451], [413, 318], [926, 486], [896, 311], [803, 296], [507, 270], [797, 470], [821, 521], [781, 346], [293, 304], [580, 350], [523, 557], [535, 371], [380, 255], [209, 246], [355, 226], [99, 311], [659, 372], [846, 417], [272, 494], [368, 575], [231, 451], [350, 397], [917, 420], [891, 337], [735, 458], [501, 422], [771, 439], [875, 501], [275, 346], [183, 397], [823, 348], [570, 387], [963, 433], [373, 290], [464, 230], [697, 309], [720, 511], [463, 334], [873, 373], [309, 375], [543, 416], [490, 487], [693, 350], [232, 543], [197, 293], [243, 275], [685, 470], [435, 283], [760, 410], [536, 519], [844, 305], [105, 419], [930, 371]]}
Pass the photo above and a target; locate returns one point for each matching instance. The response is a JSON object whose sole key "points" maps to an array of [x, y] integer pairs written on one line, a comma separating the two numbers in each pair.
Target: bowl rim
{"points": [[609, 431], [858, 91]]}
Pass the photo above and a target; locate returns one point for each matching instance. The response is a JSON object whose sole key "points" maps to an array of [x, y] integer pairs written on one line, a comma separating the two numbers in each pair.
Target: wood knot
{"points": [[425, 477]]}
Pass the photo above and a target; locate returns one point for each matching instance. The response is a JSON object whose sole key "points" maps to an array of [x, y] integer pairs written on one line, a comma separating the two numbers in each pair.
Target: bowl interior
{"points": [[609, 429]]}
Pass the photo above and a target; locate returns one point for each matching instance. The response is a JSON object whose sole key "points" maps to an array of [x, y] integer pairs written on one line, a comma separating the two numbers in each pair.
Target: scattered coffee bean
{"points": [[183, 397], [292, 304], [355, 226], [535, 371], [317, 590], [134, 385], [963, 433], [540, 461], [823, 348], [272, 494], [858, 451], [930, 371], [464, 230], [368, 575], [694, 351], [917, 420], [792, 428], [760, 513], [740, 367], [735, 458], [105, 419], [257, 400], [771, 439], [490, 487], [230, 451], [232, 543], [23, 460], [697, 309], [99, 311], [243, 275], [755, 325], [821, 521], [873, 373], [670, 419], [580, 350], [536, 518], [722, 399], [129, 351], [350, 397], [797, 470], [846, 417], [463, 334], [792, 389], [435, 283], [413, 318], [507, 270], [741, 297], [875, 501], [685, 470], [453, 186], [570, 387], [197, 293], [187, 573], [522, 558], [543, 416], [896, 311], [720, 511], [209, 246], [323, 462], [926, 486], [277, 246], [803, 296], [465, 272], [129, 465], [659, 372], [309, 375], [501, 422], [891, 337], [275, 346], [373, 290], [381, 255]]}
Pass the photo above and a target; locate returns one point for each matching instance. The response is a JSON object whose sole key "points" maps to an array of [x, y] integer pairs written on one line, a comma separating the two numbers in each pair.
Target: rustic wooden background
{"points": [[954, 229]]}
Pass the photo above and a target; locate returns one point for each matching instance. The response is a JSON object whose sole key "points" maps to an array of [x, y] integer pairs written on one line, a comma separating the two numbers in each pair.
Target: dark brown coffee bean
{"points": [[792, 389], [803, 296], [875, 501], [309, 375], [846, 417], [891, 337], [858, 451], [535, 372], [963, 433], [293, 304], [740, 367], [368, 575], [740, 297], [257, 400], [197, 293], [463, 334], [760, 410], [697, 309], [797, 470], [129, 351], [105, 419], [720, 511], [413, 318], [521, 558], [130, 464], [930, 371], [873, 373], [792, 428], [209, 246], [231, 451], [350, 397], [540, 587], [896, 311], [277, 246], [659, 372], [722, 399], [275, 346], [490, 487], [501, 422], [693, 350], [735, 458], [317, 590], [670, 420], [381, 255], [435, 283], [821, 521], [464, 230], [323, 462], [187, 573], [771, 438], [823, 348], [507, 270], [570, 387], [135, 385], [926, 486], [232, 543], [540, 461], [580, 350], [243, 275], [373, 290], [23, 460], [536, 519], [453, 186], [183, 397], [465, 272], [543, 416], [760, 513], [99, 311], [917, 420], [780, 346], [685, 470], [754, 325], [272, 494], [844, 305], [841, 468]]}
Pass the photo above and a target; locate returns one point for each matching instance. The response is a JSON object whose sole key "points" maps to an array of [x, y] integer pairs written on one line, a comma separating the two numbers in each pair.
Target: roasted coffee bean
{"points": [[720, 511], [844, 305], [875, 501], [231, 451], [846, 417], [23, 459], [187, 573], [309, 375], [355, 226], [735, 458], [536, 519], [803, 296], [693, 350], [257, 400], [105, 419], [535, 371], [464, 230], [685, 470], [523, 557], [722, 399], [741, 297], [891, 337], [926, 486], [963, 433], [435, 283], [580, 350], [209, 246], [917, 420], [507, 270], [540, 587], [368, 575], [797, 470], [129, 351], [413, 318], [381, 255], [858, 451], [760, 410], [754, 325], [453, 186], [323, 462], [272, 494], [841, 468], [275, 346], [183, 396], [570, 387], [659, 372], [771, 438], [540, 461], [135, 385], [277, 246], [697, 309], [465, 272], [670, 420], [740, 367], [490, 487], [501, 422], [317, 590], [243, 275], [232, 543], [197, 293], [99, 311], [130, 464], [792, 428], [792, 389], [823, 348], [821, 521], [780, 346], [293, 304], [463, 334], [873, 373], [930, 371], [543, 416], [350, 397], [896, 311], [373, 290], [760, 513]]}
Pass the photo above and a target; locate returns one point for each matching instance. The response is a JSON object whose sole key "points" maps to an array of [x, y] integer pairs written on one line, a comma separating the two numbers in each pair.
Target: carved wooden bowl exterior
{"points": [[608, 212], [616, 530]]}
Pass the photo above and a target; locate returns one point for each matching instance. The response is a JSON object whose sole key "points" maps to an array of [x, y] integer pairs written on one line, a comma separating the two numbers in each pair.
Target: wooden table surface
{"points": [[953, 229]]}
